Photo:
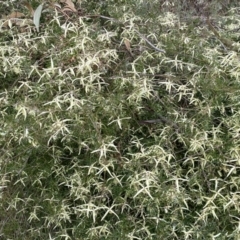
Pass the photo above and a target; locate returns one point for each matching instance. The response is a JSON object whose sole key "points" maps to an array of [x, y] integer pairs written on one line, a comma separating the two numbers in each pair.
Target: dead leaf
{"points": [[15, 15], [128, 45], [29, 7], [17, 22], [13, 18], [69, 6]]}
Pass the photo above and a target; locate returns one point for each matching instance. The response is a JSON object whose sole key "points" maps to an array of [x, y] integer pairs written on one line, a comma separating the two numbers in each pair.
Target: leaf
{"points": [[14, 18], [15, 15], [69, 6], [128, 46], [29, 7], [37, 15]]}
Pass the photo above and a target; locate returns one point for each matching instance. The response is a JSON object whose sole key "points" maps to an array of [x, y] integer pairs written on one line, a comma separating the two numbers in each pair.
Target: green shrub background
{"points": [[99, 142]]}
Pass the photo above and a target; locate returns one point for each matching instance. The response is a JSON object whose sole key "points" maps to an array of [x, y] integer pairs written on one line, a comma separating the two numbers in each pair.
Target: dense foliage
{"points": [[121, 120]]}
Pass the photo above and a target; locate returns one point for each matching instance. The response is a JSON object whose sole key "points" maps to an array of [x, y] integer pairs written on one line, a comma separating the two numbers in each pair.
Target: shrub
{"points": [[123, 125]]}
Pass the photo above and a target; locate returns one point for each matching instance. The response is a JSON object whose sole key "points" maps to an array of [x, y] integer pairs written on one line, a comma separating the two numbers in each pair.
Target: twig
{"points": [[161, 119], [150, 44], [144, 38]]}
